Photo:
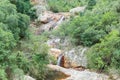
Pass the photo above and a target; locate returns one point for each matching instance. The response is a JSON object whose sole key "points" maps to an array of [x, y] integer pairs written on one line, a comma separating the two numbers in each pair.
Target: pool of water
{"points": [[55, 75]]}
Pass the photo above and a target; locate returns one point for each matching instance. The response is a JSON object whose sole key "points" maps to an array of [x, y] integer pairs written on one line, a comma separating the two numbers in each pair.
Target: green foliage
{"points": [[89, 28], [15, 22], [2, 74], [91, 4], [105, 55], [23, 24], [7, 40], [24, 7], [99, 28], [36, 52], [7, 43], [64, 5], [13, 26]]}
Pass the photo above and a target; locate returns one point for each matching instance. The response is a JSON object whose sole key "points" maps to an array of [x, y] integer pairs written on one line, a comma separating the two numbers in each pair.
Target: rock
{"points": [[79, 75], [65, 14], [55, 52], [77, 10], [45, 27], [87, 75], [59, 22], [47, 16], [53, 43], [76, 57], [34, 2], [28, 78], [24, 77], [60, 61], [43, 19]]}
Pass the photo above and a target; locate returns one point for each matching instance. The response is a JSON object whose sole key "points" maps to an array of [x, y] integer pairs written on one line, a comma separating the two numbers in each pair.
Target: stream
{"points": [[74, 59]]}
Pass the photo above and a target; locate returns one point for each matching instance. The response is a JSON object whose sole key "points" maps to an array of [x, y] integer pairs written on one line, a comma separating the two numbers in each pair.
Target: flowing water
{"points": [[59, 60]]}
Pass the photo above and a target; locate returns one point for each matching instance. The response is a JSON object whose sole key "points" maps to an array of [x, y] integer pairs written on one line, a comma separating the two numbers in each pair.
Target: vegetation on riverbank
{"points": [[98, 28], [20, 52]]}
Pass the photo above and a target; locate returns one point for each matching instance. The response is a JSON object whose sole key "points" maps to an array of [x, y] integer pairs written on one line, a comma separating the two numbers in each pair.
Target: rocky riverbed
{"points": [[74, 61]]}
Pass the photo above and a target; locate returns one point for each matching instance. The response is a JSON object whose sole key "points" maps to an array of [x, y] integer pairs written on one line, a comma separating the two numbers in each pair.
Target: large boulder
{"points": [[75, 57]]}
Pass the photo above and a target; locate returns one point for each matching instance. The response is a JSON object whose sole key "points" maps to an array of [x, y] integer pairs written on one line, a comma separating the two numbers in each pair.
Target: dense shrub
{"points": [[105, 55], [89, 28], [97, 27], [36, 52], [15, 59], [15, 22], [91, 4], [64, 5], [24, 7], [23, 24], [7, 43]]}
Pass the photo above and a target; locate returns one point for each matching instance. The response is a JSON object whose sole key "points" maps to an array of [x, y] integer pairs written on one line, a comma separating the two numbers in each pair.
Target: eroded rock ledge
{"points": [[79, 75]]}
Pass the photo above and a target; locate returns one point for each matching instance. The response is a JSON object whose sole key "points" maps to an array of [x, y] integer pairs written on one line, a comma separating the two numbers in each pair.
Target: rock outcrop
{"points": [[28, 78], [77, 10], [24, 77], [73, 57], [54, 42], [55, 52], [79, 75], [76, 57]]}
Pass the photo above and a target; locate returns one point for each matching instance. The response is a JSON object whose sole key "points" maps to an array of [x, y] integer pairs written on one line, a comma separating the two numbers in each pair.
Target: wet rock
{"points": [[59, 22], [60, 61], [75, 57]]}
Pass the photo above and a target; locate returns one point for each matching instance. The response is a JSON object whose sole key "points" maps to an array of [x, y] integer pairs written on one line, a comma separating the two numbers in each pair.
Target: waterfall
{"points": [[59, 59], [82, 53], [59, 22]]}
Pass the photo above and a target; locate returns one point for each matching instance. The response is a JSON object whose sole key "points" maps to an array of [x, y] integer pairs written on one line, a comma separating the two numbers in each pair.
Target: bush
{"points": [[89, 28], [13, 26], [15, 22], [36, 52], [23, 25], [105, 55], [64, 5], [24, 7], [2, 74], [91, 4]]}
